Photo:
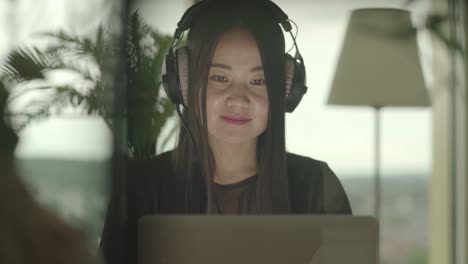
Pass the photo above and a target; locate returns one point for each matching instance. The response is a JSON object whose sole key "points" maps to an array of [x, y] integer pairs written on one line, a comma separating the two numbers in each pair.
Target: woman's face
{"points": [[236, 96]]}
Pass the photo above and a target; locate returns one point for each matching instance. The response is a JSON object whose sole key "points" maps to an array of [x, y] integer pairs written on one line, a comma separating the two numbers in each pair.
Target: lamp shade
{"points": [[379, 63]]}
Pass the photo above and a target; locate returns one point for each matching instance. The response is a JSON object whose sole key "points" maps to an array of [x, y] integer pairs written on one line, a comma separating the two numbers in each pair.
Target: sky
{"points": [[341, 136]]}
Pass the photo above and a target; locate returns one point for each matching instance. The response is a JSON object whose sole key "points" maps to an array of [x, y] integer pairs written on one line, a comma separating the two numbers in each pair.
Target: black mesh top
{"points": [[152, 188], [236, 198]]}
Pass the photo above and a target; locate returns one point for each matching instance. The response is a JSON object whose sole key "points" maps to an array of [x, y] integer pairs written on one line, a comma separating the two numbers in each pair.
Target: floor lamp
{"points": [[379, 67]]}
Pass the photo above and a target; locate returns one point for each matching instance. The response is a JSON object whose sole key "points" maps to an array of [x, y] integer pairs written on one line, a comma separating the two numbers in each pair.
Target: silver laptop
{"points": [[258, 239]]}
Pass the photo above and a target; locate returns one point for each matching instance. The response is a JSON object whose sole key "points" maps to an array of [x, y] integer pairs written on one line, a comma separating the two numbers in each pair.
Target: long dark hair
{"points": [[207, 29]]}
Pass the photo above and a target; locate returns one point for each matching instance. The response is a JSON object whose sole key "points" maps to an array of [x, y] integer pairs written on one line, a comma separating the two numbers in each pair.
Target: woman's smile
{"points": [[236, 120]]}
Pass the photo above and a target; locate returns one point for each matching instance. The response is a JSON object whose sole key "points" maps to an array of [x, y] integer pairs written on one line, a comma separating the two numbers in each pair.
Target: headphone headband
{"points": [[175, 78], [192, 12], [187, 18]]}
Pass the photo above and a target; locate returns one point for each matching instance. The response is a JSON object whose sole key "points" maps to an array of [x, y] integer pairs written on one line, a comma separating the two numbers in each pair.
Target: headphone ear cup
{"points": [[183, 72], [169, 77], [289, 73], [295, 83], [175, 77]]}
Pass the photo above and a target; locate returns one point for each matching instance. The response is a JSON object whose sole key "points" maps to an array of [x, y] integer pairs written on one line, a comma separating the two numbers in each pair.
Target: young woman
{"points": [[233, 78]]}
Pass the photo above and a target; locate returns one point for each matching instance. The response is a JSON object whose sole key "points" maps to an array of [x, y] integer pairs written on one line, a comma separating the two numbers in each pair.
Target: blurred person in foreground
{"points": [[30, 233]]}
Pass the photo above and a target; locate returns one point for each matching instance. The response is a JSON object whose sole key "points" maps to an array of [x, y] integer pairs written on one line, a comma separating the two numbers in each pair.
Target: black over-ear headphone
{"points": [[175, 78]]}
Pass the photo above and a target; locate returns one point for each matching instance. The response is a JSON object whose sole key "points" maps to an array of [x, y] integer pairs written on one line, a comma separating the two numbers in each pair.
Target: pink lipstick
{"points": [[236, 120]]}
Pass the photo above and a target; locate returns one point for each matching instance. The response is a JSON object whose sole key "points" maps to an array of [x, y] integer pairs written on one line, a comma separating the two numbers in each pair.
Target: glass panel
{"points": [[56, 66]]}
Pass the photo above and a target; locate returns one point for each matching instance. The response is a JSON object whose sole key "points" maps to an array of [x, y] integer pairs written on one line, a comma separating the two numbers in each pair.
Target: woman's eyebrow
{"points": [[222, 66], [258, 68], [227, 67]]}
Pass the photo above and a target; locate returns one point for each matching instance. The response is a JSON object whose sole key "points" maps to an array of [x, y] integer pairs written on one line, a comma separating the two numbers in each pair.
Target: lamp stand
{"points": [[377, 185]]}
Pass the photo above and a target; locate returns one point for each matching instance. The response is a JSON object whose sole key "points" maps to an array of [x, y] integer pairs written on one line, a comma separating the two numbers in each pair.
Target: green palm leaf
{"points": [[25, 64], [91, 57], [63, 37]]}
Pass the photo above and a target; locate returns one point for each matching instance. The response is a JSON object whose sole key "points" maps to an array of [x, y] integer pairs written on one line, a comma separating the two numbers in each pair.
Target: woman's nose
{"points": [[238, 95]]}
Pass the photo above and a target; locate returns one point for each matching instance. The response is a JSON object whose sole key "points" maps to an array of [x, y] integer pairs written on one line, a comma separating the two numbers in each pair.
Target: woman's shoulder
{"points": [[303, 168], [148, 172], [300, 158], [312, 180], [305, 172], [163, 159], [298, 164]]}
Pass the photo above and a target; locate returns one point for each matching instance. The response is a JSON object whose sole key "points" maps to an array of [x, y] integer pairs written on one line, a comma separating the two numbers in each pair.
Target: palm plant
{"points": [[91, 57], [148, 111]]}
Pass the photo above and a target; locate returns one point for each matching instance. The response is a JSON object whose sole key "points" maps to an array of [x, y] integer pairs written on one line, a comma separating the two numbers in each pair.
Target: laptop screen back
{"points": [[229, 239]]}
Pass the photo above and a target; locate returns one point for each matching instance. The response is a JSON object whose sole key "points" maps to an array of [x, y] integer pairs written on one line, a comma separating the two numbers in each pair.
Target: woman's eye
{"points": [[258, 82], [218, 78]]}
